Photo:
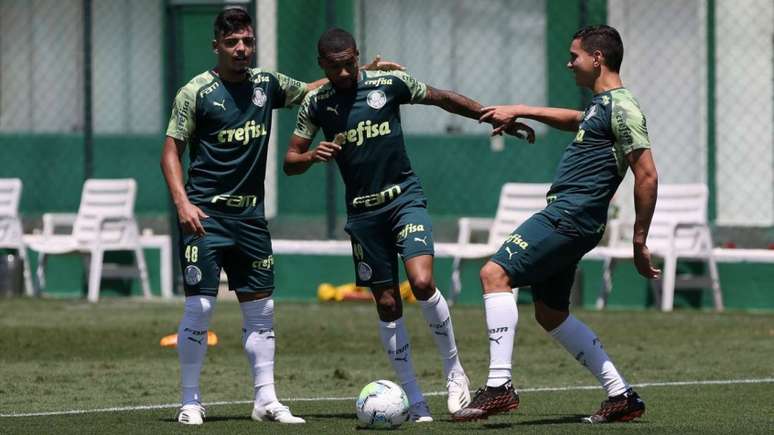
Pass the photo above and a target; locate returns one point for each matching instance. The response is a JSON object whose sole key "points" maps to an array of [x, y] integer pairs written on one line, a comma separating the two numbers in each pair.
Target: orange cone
{"points": [[170, 340]]}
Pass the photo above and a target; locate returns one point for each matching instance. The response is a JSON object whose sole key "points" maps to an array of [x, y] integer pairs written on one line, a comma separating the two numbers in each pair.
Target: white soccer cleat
{"points": [[191, 414], [420, 413], [276, 412], [457, 386]]}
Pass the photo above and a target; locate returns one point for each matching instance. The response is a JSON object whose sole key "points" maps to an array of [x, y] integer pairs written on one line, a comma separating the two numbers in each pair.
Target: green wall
{"points": [[52, 173], [460, 173]]}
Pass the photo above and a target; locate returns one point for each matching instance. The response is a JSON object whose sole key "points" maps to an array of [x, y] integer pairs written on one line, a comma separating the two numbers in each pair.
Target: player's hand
{"points": [[325, 151], [643, 263], [382, 65], [190, 217], [499, 115], [518, 129]]}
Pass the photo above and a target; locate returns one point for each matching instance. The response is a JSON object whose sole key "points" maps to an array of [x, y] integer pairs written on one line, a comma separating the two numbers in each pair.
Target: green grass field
{"points": [[58, 356]]}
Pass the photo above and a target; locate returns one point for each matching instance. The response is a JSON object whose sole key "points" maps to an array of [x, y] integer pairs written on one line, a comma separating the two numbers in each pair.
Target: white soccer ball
{"points": [[382, 404]]}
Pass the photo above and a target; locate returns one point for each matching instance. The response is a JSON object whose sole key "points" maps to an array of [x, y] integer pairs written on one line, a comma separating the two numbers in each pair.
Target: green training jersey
{"points": [[373, 160], [227, 127], [594, 164]]}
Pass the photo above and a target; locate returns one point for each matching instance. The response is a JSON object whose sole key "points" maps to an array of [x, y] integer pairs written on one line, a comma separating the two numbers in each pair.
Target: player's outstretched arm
{"points": [[300, 158], [453, 102], [645, 194], [503, 116], [189, 215]]}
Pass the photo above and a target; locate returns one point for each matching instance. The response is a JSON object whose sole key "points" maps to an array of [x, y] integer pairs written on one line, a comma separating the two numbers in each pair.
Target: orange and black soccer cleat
{"points": [[489, 401], [623, 407]]}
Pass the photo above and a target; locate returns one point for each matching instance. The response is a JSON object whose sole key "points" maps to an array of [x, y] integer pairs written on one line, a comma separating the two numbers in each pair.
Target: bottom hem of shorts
{"points": [[417, 254], [380, 284], [253, 290]]}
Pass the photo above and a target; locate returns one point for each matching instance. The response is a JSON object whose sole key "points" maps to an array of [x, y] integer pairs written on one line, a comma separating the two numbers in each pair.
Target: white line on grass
{"points": [[434, 393]]}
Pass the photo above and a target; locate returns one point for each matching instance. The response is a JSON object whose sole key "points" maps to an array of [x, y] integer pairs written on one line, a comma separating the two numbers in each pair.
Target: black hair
{"points": [[230, 20], [605, 39], [335, 40]]}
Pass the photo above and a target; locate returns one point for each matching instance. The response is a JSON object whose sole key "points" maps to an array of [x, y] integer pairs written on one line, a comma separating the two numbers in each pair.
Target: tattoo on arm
{"points": [[452, 102]]}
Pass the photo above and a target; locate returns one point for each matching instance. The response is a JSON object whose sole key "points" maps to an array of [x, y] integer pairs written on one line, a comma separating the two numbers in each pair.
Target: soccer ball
{"points": [[382, 404]]}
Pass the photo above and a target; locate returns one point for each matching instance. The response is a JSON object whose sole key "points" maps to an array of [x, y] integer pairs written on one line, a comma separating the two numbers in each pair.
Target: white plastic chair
{"points": [[517, 203], [105, 222], [11, 228], [678, 231]]}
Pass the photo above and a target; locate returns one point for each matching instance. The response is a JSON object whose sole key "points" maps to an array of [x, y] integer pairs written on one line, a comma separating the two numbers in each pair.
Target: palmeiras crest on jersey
{"points": [[193, 275], [259, 97], [376, 99], [364, 271]]}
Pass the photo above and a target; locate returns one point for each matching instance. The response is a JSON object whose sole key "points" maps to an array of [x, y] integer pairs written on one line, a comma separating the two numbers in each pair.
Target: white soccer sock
{"points": [[436, 313], [192, 344], [584, 345], [502, 315], [396, 343], [259, 344]]}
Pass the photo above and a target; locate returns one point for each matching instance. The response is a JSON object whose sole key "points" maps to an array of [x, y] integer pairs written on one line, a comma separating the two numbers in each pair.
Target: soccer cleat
{"points": [[457, 386], [191, 414], [489, 401], [623, 407], [275, 412], [420, 413]]}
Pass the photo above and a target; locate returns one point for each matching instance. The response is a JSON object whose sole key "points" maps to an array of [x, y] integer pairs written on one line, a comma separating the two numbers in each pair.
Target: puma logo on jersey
{"points": [[423, 240], [334, 109], [496, 340], [222, 104]]}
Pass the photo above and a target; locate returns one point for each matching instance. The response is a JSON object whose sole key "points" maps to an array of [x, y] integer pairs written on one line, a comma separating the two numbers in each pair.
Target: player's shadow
{"points": [[343, 415], [214, 418], [563, 419]]}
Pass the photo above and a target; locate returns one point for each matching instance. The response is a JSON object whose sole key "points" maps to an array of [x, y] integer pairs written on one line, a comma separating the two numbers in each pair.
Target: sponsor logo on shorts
{"points": [[364, 271], [411, 228], [517, 240], [264, 263], [193, 275]]}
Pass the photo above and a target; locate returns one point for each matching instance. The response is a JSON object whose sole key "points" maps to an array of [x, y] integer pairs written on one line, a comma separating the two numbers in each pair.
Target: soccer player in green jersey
{"points": [[359, 113], [224, 115], [544, 251]]}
